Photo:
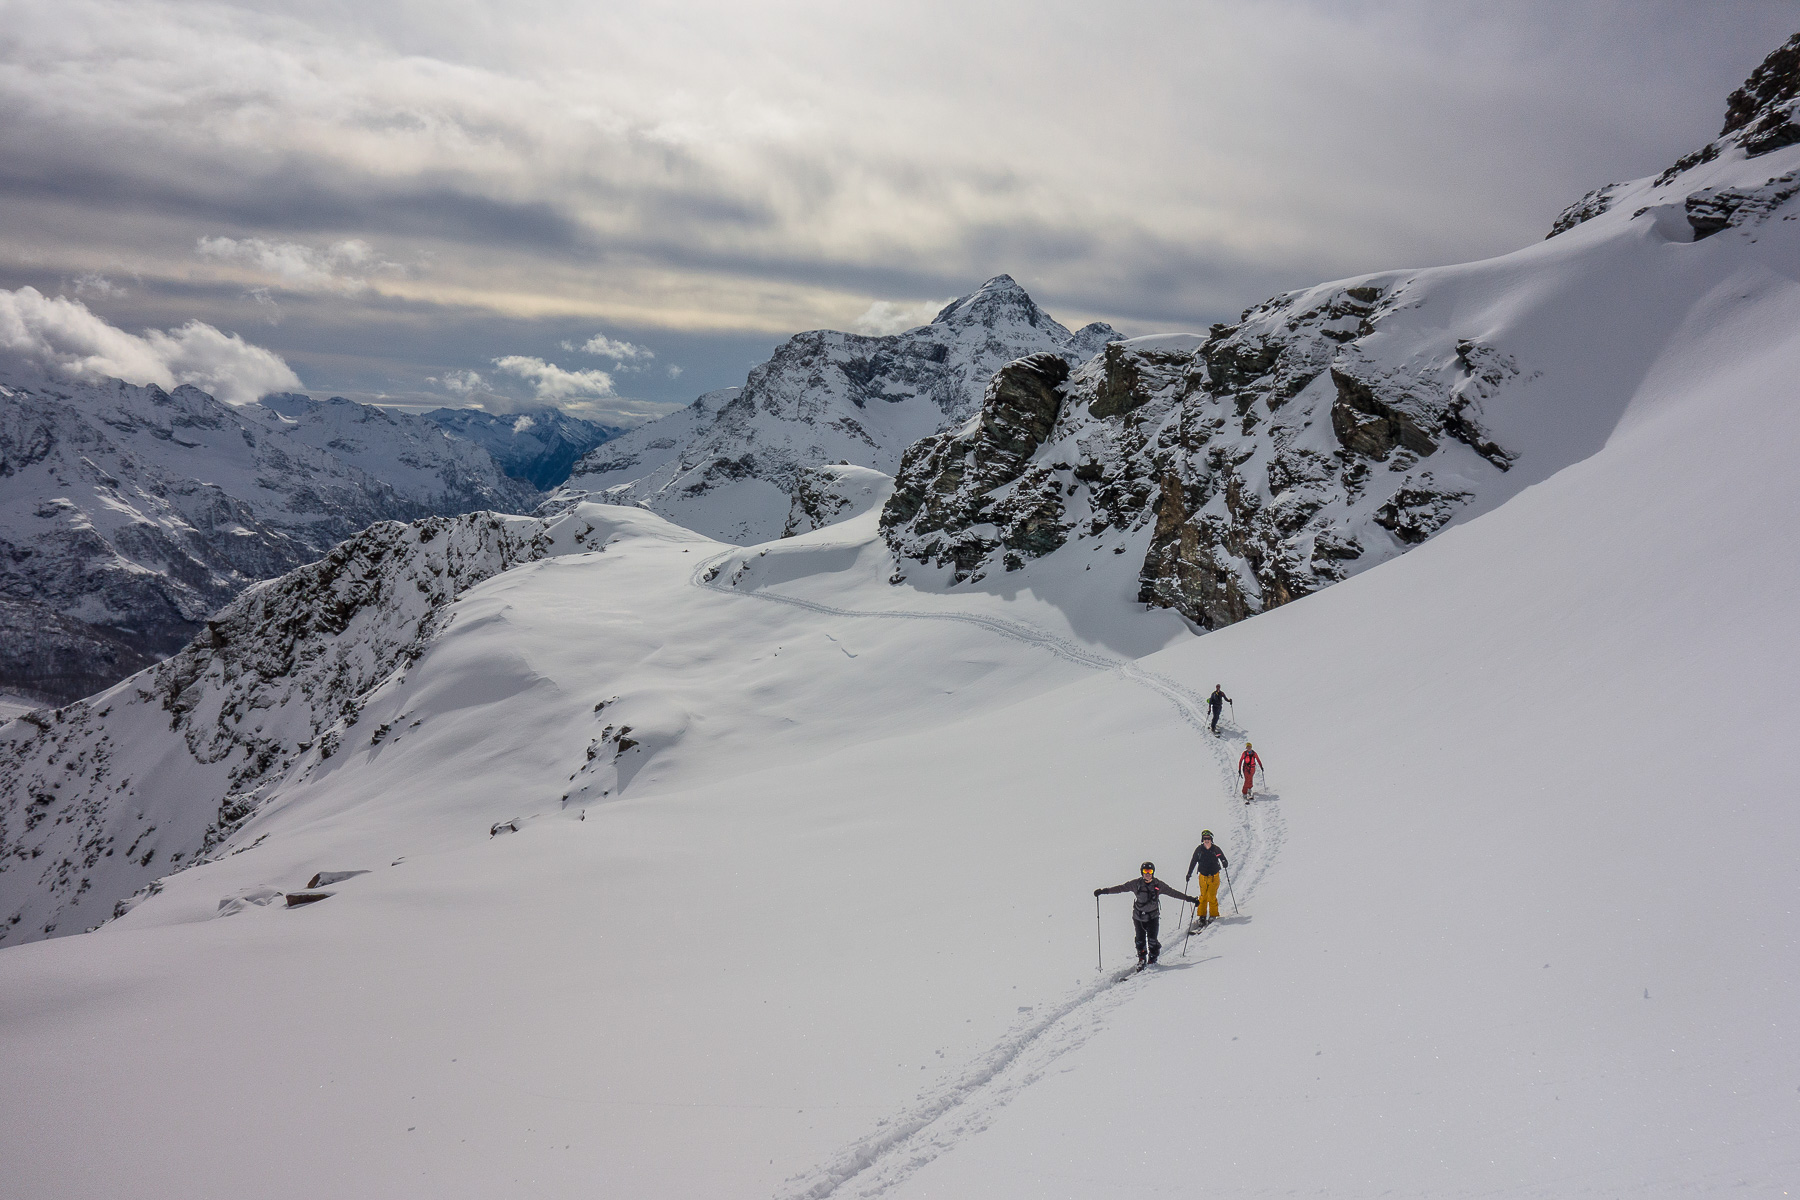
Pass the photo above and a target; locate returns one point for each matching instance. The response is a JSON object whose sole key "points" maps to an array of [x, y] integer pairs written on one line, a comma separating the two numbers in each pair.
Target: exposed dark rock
{"points": [[1368, 426], [1203, 453], [958, 481], [1585, 209], [327, 878], [1761, 113], [1716, 209]]}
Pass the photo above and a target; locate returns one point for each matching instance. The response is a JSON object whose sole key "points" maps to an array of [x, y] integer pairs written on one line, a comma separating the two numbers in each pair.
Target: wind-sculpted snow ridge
{"points": [[127, 514], [103, 796], [728, 465], [963, 1105], [1334, 428]]}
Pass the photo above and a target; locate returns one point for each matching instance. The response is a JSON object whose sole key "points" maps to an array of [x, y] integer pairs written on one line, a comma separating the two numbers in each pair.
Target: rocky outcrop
{"points": [[1714, 210], [1248, 467], [952, 499], [1760, 118]]}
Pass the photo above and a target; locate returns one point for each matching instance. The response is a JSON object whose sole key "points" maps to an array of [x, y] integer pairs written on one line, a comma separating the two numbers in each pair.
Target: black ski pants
{"points": [[1146, 932], [1216, 710]]}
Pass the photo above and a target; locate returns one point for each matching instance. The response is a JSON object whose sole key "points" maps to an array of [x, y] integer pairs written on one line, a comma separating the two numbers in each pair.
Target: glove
{"points": [[1097, 891]]}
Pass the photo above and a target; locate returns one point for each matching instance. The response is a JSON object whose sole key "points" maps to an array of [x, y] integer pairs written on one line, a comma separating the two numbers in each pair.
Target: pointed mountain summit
{"points": [[1000, 299], [728, 465]]}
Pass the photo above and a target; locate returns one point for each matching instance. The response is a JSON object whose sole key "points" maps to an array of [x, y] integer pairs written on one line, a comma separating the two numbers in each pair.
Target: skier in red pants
{"points": [[1248, 762]]}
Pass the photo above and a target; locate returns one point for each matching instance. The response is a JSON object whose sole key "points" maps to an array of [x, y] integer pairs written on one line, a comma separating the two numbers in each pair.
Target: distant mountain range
{"points": [[129, 514]]}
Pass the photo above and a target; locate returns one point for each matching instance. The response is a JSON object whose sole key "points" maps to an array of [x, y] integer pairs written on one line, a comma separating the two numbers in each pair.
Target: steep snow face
{"points": [[1334, 428], [537, 445], [128, 513], [105, 795], [727, 467]]}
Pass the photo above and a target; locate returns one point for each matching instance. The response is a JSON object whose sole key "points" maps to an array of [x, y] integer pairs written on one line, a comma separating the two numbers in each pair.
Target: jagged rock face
{"points": [[539, 446], [1761, 113], [1760, 118], [944, 501], [99, 798], [1264, 461], [1714, 210], [131, 513], [729, 470]]}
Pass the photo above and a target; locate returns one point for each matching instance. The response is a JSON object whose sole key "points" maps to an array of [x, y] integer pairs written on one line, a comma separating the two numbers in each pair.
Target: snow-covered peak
{"points": [[999, 301], [728, 466]]}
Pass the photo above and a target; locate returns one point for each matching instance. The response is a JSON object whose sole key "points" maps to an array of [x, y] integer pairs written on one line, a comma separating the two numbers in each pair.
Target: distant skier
{"points": [[1207, 861], [1218, 700], [1146, 909], [1248, 762]]}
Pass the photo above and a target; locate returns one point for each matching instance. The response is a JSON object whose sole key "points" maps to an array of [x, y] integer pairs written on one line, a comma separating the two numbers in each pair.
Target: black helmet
{"points": [[1149, 866], [1205, 834]]}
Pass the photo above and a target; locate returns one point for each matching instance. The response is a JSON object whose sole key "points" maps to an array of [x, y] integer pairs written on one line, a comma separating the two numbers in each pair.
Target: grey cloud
{"points": [[1162, 181]]}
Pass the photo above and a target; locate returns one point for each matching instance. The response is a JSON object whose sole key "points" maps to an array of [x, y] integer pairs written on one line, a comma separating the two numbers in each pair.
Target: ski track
{"points": [[964, 1104]]}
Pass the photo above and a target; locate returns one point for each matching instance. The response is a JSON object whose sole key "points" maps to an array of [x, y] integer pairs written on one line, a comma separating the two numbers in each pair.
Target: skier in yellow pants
{"points": [[1208, 860]]}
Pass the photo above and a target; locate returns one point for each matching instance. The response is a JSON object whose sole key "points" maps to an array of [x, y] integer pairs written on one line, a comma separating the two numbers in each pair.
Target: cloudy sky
{"points": [[613, 206]]}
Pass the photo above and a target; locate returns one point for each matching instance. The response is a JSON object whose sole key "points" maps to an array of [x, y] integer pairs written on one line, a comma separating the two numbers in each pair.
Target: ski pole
{"points": [[1232, 890], [1099, 959]]}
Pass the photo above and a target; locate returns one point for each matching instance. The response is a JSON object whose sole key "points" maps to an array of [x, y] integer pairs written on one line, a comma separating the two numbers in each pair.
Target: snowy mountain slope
{"points": [[537, 445], [1531, 931], [1517, 891], [1334, 428], [277, 680], [129, 513], [726, 467], [1503, 923]]}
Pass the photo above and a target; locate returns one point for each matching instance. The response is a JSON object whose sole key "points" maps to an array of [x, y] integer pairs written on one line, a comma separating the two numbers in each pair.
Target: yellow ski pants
{"points": [[1209, 896]]}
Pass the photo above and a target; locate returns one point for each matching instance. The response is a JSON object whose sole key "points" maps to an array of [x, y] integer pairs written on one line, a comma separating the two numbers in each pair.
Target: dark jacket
{"points": [[1207, 861], [1149, 896], [1218, 698]]}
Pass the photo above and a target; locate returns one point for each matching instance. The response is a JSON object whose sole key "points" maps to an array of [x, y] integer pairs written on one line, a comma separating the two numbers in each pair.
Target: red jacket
{"points": [[1248, 762]]}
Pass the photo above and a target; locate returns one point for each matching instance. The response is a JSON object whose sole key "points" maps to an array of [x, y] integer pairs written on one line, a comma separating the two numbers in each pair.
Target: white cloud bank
{"points": [[67, 337], [340, 267], [620, 352], [554, 384], [587, 394]]}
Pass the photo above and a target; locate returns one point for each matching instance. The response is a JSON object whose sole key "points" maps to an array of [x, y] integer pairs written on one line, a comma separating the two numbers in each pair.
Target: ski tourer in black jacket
{"points": [[1207, 860], [1148, 901]]}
